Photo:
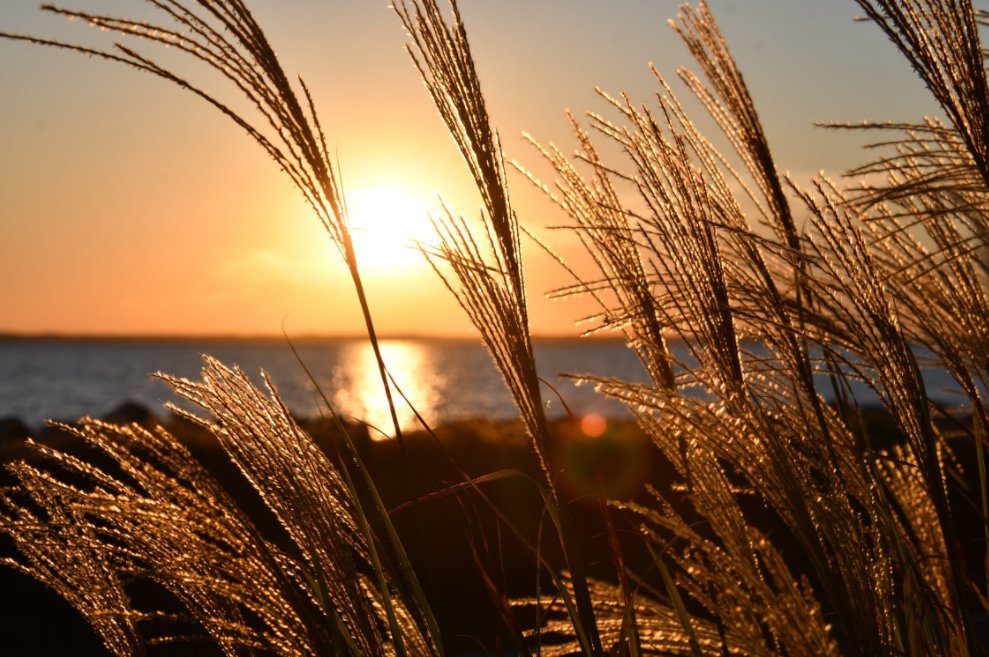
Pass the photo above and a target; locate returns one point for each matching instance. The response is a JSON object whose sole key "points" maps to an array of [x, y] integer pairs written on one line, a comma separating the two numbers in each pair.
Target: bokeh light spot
{"points": [[593, 425]]}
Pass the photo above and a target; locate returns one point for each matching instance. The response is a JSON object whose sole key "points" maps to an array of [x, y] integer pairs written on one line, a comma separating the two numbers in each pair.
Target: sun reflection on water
{"points": [[358, 390]]}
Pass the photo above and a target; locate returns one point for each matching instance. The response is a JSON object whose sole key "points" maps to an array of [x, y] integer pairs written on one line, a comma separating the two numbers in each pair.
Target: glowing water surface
{"points": [[444, 380]]}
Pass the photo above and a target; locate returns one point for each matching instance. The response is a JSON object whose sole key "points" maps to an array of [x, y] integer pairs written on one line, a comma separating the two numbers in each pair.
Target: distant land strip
{"points": [[12, 336]]}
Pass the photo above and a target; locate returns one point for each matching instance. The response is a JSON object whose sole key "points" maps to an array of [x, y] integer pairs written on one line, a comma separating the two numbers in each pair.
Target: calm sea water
{"points": [[445, 380]]}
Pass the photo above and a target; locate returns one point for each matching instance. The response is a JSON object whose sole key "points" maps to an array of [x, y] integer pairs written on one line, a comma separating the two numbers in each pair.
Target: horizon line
{"points": [[58, 336]]}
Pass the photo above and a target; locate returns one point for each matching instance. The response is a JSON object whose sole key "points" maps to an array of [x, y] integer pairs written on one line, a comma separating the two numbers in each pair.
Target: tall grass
{"points": [[787, 529]]}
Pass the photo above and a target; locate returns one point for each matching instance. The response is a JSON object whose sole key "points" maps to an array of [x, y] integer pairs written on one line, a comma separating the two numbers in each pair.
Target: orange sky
{"points": [[129, 206]]}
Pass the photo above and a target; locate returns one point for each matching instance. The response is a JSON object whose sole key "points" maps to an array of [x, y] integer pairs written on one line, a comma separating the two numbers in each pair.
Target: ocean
{"points": [[445, 380]]}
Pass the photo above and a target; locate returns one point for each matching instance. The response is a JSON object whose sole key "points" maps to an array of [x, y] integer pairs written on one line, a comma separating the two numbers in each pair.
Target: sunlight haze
{"points": [[130, 206]]}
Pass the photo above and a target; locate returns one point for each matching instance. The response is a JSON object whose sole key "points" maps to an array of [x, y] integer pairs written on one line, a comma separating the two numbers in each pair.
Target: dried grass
{"points": [[786, 530]]}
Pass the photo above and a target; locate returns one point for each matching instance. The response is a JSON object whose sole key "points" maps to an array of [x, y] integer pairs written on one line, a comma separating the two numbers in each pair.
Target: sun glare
{"points": [[385, 223]]}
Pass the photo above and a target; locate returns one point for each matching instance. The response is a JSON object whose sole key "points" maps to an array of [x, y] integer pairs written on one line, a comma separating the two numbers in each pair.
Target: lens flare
{"points": [[593, 425]]}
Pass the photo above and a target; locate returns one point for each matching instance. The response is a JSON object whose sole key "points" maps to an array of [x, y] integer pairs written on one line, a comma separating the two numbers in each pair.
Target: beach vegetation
{"points": [[785, 526]]}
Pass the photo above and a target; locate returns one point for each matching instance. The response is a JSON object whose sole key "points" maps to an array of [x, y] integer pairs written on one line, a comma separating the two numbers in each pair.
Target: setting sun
{"points": [[386, 223]]}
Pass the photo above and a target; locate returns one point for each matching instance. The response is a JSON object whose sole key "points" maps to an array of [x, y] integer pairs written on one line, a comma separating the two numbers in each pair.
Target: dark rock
{"points": [[13, 434], [55, 436], [131, 412], [12, 428]]}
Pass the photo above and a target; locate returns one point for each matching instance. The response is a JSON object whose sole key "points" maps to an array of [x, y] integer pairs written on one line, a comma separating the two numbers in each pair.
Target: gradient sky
{"points": [[129, 206]]}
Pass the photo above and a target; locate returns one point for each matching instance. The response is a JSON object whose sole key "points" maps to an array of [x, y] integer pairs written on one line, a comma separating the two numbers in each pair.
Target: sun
{"points": [[386, 223]]}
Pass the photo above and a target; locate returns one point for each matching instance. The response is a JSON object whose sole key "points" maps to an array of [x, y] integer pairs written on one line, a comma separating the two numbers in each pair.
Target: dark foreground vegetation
{"points": [[440, 546], [416, 486]]}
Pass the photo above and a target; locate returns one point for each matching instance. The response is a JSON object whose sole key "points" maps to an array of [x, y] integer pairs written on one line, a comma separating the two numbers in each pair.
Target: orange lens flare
{"points": [[593, 425]]}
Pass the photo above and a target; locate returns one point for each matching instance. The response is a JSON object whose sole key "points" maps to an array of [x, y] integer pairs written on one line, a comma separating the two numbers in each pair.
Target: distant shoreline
{"points": [[269, 338]]}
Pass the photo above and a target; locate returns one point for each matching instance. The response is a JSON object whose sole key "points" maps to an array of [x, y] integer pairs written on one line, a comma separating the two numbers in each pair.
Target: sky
{"points": [[128, 206]]}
